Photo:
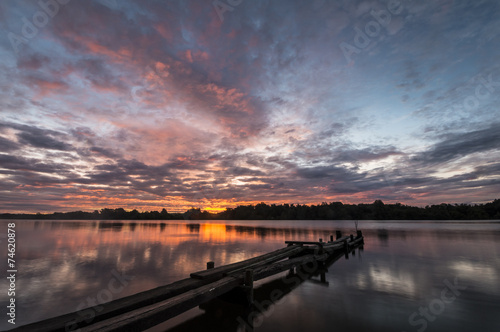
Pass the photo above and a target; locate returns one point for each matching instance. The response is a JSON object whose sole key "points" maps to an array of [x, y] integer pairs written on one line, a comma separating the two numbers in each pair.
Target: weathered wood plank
{"points": [[148, 316], [340, 239], [304, 242], [318, 242], [296, 251], [266, 271], [278, 267], [226, 269], [320, 246], [73, 321], [340, 243]]}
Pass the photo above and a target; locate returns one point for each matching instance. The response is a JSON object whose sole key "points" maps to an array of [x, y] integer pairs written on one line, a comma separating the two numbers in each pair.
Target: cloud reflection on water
{"points": [[402, 267]]}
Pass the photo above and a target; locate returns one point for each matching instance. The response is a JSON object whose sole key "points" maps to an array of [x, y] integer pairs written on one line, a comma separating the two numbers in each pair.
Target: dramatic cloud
{"points": [[463, 144], [150, 104]]}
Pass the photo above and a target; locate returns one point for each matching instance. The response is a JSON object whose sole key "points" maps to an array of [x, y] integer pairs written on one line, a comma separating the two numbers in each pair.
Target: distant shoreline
{"points": [[325, 211]]}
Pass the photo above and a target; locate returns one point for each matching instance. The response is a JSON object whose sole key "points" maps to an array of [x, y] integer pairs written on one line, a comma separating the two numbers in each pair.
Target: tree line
{"points": [[377, 210]]}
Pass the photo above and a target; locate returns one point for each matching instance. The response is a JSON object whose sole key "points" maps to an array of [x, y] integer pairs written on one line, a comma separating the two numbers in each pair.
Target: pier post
{"points": [[210, 265], [331, 238], [338, 234], [248, 285], [359, 234], [323, 277], [352, 237], [346, 249], [320, 248]]}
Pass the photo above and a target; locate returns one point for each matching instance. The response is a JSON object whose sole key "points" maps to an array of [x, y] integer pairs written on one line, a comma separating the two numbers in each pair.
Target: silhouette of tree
{"points": [[325, 211]]}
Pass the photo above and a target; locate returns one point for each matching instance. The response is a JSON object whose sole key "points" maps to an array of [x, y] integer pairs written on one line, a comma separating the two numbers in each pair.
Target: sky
{"points": [[213, 104]]}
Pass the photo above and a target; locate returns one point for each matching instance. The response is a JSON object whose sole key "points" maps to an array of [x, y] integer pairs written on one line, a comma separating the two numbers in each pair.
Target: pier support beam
{"points": [[210, 265], [248, 285], [346, 249]]}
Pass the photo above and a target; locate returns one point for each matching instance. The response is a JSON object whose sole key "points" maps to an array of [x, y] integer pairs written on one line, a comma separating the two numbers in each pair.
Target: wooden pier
{"points": [[232, 282]]}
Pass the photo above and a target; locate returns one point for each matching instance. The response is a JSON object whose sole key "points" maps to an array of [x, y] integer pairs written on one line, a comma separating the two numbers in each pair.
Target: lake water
{"points": [[410, 275]]}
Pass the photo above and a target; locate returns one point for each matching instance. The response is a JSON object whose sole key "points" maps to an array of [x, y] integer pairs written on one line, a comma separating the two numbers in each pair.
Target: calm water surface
{"points": [[411, 276]]}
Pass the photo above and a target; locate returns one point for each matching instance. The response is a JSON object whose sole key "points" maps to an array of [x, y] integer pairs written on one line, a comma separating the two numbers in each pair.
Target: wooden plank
{"points": [[340, 244], [267, 261], [356, 242], [335, 251], [220, 271], [321, 246], [340, 240], [149, 316], [67, 322], [337, 246], [278, 267], [303, 242], [326, 247], [317, 242]]}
